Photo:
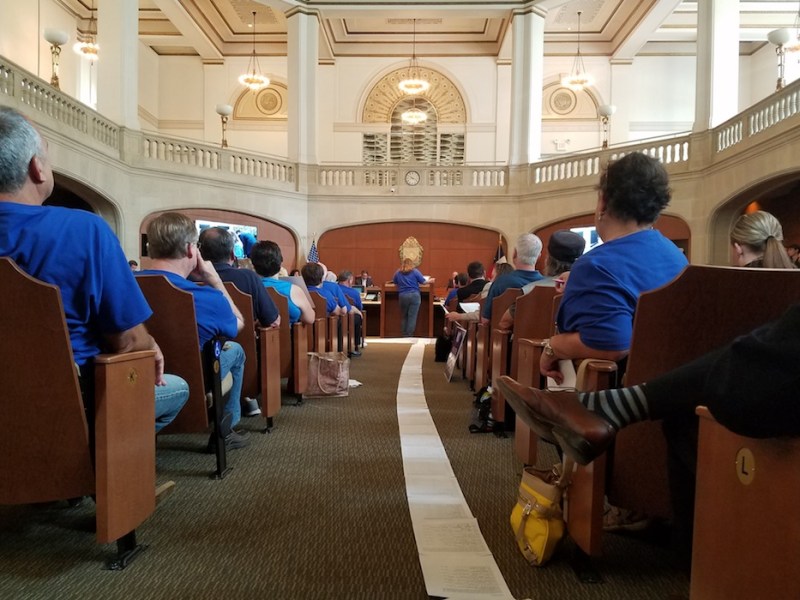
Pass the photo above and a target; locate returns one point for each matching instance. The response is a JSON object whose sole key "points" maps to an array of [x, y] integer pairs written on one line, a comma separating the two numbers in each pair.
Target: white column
{"points": [[619, 124], [527, 70], [118, 62], [717, 97], [303, 52]]}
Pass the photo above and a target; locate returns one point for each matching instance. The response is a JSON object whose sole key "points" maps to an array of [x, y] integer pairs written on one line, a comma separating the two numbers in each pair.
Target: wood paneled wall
{"points": [[376, 247]]}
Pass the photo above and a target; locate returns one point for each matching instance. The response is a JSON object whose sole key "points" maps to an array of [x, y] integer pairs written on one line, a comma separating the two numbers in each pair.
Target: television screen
{"points": [[245, 235], [590, 235]]}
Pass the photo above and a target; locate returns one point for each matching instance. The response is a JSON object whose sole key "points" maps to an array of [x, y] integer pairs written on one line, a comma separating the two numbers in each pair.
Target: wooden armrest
{"points": [[594, 374], [109, 359]]}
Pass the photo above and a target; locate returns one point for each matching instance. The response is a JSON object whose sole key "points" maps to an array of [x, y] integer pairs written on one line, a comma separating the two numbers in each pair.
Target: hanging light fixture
{"points": [[254, 79], [414, 116], [87, 47], [413, 84], [578, 78]]}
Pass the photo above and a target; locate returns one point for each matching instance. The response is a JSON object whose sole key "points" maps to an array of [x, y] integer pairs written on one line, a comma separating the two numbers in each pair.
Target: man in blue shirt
{"points": [[345, 282], [312, 274], [526, 253], [172, 245], [75, 250]]}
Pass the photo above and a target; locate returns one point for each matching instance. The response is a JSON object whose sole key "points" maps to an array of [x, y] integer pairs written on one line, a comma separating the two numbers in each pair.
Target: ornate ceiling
{"points": [[214, 29]]}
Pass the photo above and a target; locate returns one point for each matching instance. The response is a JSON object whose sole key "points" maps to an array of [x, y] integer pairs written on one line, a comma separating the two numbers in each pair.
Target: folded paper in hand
{"points": [[469, 307], [570, 377]]}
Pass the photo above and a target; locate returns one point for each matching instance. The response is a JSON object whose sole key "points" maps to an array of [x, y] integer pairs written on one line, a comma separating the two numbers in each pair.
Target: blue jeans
{"points": [[409, 308], [232, 361], [170, 399]]}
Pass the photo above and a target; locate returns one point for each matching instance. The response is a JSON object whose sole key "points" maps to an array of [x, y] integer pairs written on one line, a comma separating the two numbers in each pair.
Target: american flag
{"points": [[313, 255]]}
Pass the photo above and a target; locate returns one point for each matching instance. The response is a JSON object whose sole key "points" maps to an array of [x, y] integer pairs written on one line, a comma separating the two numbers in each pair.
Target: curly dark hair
{"points": [[266, 257], [636, 187]]}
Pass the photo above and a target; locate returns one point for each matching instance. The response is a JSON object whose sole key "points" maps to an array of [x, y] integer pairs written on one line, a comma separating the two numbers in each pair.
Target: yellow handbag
{"points": [[537, 520]]}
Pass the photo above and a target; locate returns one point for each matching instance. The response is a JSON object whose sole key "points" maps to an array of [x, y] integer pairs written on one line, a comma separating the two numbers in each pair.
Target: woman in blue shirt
{"points": [[267, 258], [408, 279]]}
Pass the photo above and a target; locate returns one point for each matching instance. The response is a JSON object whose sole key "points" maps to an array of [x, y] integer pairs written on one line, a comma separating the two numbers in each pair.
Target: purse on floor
{"points": [[328, 375], [537, 520]]}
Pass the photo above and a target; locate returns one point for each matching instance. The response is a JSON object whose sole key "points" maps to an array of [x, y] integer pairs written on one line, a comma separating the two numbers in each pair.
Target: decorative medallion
{"points": [[412, 249], [563, 101]]}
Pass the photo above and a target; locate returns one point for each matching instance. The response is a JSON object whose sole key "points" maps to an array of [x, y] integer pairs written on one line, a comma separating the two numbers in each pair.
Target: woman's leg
{"points": [[413, 311]]}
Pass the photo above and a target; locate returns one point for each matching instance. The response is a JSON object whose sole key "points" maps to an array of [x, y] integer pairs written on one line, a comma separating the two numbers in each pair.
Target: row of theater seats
{"points": [[52, 452], [745, 534]]}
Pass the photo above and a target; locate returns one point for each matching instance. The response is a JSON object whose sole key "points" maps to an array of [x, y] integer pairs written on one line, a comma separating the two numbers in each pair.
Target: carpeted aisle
{"points": [[315, 510]]}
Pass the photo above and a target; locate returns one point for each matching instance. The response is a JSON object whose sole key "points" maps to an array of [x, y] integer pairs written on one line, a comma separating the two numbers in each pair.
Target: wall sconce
{"points": [[224, 111], [605, 111], [779, 38], [56, 38]]}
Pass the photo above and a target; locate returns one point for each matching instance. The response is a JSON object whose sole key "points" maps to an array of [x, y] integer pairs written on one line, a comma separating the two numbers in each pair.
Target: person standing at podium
{"points": [[408, 279]]}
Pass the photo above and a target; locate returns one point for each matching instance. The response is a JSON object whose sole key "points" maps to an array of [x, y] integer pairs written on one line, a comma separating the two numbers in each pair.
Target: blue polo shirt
{"points": [[330, 299], [352, 294], [516, 279]]}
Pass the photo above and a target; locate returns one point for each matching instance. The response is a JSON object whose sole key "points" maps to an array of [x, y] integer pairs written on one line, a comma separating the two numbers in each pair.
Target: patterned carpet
{"points": [[314, 510]]}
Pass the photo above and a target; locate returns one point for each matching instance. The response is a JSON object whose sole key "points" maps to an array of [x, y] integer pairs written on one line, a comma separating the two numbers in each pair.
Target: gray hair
{"points": [[529, 247], [19, 143]]}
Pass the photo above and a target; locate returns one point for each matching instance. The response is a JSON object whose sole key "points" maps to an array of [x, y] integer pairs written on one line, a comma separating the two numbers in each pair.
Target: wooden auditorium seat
{"points": [[46, 451], [262, 369], [533, 321], [325, 326], [174, 326], [293, 347], [704, 308], [483, 344], [746, 533]]}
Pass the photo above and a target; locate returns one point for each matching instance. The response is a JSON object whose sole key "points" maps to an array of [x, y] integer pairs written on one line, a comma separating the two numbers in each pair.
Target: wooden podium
{"points": [[390, 312]]}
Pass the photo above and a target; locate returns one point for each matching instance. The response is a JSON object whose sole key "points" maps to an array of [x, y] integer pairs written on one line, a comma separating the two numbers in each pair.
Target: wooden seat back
{"points": [[174, 327], [483, 343], [247, 339], [704, 308], [45, 454], [746, 500], [293, 344], [324, 331], [262, 369]]}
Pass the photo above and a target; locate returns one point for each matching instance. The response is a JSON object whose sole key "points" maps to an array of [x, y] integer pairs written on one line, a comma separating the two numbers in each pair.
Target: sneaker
{"points": [[250, 407], [623, 519], [233, 441]]}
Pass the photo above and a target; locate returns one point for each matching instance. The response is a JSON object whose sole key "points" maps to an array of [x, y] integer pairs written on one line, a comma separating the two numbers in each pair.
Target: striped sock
{"points": [[619, 407]]}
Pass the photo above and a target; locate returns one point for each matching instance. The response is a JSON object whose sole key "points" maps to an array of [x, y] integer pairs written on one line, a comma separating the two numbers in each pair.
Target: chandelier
{"points": [[88, 48], [254, 79], [413, 116], [413, 84], [578, 78]]}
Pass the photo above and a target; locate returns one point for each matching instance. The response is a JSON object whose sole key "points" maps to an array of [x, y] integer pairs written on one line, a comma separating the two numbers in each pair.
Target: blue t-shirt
{"points": [[408, 282], [515, 279], [336, 291], [249, 282], [605, 283], [211, 309], [450, 295], [284, 288], [353, 295], [76, 251], [330, 299]]}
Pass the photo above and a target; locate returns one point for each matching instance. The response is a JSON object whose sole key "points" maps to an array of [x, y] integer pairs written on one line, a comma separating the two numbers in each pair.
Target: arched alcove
{"points": [[266, 230], [671, 226], [73, 193], [777, 195], [446, 247]]}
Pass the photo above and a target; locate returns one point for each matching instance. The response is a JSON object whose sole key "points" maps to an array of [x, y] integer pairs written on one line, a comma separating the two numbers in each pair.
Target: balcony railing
{"points": [[86, 126]]}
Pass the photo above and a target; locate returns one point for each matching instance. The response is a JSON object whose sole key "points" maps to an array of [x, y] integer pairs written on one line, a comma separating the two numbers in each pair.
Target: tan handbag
{"points": [[328, 375]]}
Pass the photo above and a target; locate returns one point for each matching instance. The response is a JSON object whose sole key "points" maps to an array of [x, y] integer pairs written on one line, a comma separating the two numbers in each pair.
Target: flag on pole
{"points": [[499, 257], [313, 255]]}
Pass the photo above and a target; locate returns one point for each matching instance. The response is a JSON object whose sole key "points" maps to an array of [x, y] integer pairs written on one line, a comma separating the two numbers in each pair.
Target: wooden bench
{"points": [[293, 347], [325, 326], [746, 533], [174, 326], [704, 308], [262, 369], [46, 452]]}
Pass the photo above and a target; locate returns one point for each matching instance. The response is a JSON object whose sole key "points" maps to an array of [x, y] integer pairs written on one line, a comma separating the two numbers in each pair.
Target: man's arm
{"points": [[205, 272], [570, 346], [137, 338]]}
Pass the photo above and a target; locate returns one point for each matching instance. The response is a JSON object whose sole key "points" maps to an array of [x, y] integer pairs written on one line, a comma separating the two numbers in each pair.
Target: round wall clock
{"points": [[412, 178]]}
